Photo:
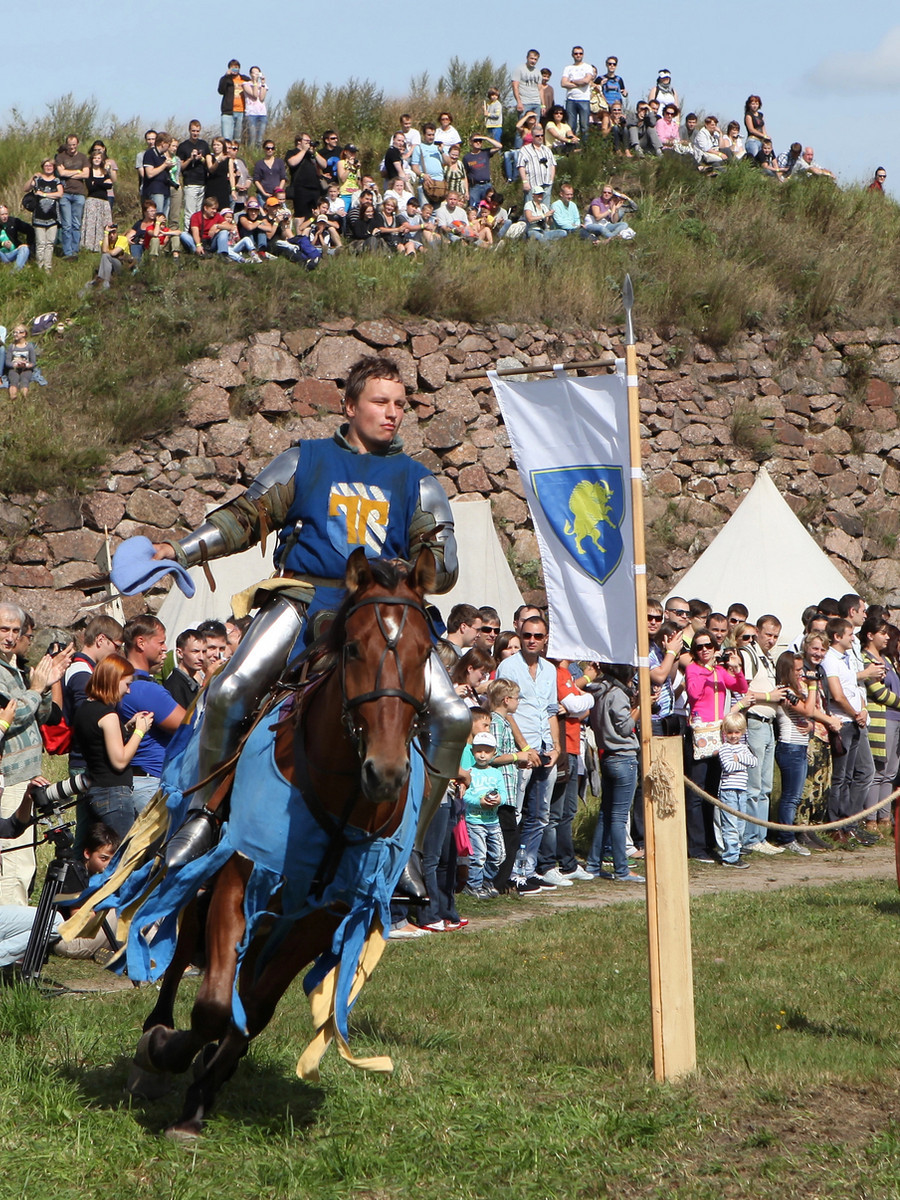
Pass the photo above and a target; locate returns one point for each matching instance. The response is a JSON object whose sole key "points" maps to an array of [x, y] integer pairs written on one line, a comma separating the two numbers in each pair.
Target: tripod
{"points": [[39, 942]]}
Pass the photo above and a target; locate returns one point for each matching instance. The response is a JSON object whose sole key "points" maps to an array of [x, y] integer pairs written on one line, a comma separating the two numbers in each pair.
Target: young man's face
{"points": [[191, 656], [767, 635], [376, 414], [718, 627], [153, 647], [215, 650], [98, 860]]}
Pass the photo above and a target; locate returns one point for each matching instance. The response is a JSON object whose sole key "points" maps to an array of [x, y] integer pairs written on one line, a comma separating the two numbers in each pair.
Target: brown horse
{"points": [[346, 742]]}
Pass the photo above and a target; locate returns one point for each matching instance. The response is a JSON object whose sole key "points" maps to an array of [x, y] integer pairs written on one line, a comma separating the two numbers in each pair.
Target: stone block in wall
{"points": [[840, 543], [666, 483], [128, 463], [59, 515], [266, 438], [332, 357], [231, 351], [300, 341], [199, 467], [461, 455], [457, 400], [151, 508], [227, 439], [381, 334], [474, 479], [192, 508], [49, 606], [319, 393], [67, 574], [444, 431], [223, 374], [884, 576], [266, 337], [103, 510], [879, 394], [273, 400], [32, 576], [495, 459], [270, 363], [423, 344], [509, 508], [433, 370], [448, 484], [206, 405], [428, 459], [79, 545], [30, 550]]}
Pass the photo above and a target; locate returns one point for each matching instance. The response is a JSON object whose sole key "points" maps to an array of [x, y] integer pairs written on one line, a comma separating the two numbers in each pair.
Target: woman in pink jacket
{"points": [[710, 681]]}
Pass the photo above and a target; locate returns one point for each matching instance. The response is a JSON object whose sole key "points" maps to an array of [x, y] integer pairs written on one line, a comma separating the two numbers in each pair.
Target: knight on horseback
{"points": [[326, 498]]}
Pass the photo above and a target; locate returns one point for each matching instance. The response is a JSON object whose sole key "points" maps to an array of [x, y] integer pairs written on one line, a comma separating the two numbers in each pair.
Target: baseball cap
{"points": [[485, 739], [252, 203]]}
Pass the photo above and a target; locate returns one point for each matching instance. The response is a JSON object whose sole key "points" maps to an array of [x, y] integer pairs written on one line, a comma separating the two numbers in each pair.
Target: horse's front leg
{"points": [[162, 1049], [307, 939]]}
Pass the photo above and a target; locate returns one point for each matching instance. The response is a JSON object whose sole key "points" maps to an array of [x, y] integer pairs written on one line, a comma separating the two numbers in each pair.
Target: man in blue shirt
{"points": [[536, 718], [427, 161]]}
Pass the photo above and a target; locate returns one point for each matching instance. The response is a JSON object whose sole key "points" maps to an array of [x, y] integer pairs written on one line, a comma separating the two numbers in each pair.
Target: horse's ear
{"points": [[358, 571], [424, 572]]}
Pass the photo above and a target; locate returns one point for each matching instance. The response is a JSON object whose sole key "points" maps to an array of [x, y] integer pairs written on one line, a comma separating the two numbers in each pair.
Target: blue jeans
{"points": [[144, 788], [16, 921], [477, 192], [487, 852], [731, 828], [578, 116], [557, 849], [604, 229], [19, 256], [761, 739], [114, 805], [219, 244], [535, 815], [619, 775], [232, 125], [70, 210], [256, 128], [792, 763], [162, 201], [544, 235]]}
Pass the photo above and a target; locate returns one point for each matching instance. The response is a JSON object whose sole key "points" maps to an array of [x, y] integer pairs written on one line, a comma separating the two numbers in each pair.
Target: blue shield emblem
{"points": [[585, 507]]}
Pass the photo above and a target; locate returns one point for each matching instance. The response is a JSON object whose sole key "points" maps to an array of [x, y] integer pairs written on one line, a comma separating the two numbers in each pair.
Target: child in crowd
{"points": [[503, 700], [493, 114], [483, 797], [736, 757], [21, 357]]}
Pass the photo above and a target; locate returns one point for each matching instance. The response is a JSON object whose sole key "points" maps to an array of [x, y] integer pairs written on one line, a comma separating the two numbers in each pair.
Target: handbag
{"points": [[707, 735], [30, 201], [436, 190]]}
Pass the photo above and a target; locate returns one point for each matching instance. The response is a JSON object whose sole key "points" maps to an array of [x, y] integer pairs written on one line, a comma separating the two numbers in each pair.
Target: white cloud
{"points": [[875, 70]]}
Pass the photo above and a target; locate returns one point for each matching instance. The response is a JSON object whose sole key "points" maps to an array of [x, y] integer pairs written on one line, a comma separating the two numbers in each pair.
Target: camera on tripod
{"points": [[48, 799]]}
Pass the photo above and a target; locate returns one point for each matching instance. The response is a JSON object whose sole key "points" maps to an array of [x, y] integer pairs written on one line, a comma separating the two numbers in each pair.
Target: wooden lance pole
{"points": [[668, 908]]}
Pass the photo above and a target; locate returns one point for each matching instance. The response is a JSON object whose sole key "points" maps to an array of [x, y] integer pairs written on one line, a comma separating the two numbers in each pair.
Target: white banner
{"points": [[570, 439]]}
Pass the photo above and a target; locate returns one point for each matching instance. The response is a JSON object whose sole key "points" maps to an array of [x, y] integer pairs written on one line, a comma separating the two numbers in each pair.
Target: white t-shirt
{"points": [[576, 73]]}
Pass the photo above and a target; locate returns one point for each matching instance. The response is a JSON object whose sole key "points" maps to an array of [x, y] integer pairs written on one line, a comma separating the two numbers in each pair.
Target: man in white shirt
{"points": [[766, 695], [537, 164], [853, 771], [576, 82]]}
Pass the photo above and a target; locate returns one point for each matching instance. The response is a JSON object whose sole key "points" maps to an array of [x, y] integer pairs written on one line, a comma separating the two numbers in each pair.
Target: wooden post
{"points": [[668, 914]]}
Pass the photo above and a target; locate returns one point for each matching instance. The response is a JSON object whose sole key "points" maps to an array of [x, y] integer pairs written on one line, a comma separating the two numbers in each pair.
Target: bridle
{"points": [[391, 641]]}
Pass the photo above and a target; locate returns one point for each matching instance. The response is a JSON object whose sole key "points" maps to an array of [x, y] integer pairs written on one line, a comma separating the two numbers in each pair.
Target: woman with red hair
{"points": [[106, 753]]}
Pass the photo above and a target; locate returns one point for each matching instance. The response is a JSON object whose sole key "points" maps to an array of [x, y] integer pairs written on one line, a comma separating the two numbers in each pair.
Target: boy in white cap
{"points": [[483, 797]]}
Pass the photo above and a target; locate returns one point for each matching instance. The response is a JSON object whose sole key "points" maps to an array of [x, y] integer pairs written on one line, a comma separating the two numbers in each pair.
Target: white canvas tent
{"points": [[484, 575], [764, 558]]}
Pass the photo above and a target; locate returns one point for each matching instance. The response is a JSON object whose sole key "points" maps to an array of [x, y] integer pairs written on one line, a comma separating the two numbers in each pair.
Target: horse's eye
{"points": [[351, 650]]}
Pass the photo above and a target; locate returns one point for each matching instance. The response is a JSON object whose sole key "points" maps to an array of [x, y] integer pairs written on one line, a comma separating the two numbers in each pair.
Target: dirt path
{"points": [[765, 873]]}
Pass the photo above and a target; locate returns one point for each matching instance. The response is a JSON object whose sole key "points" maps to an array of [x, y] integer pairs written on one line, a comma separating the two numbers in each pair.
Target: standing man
{"points": [[490, 628], [215, 643], [853, 771], [192, 156], [145, 649], [537, 164], [478, 167], [326, 498], [231, 89], [576, 81], [102, 636], [526, 88], [183, 683], [20, 743], [766, 695], [536, 718], [463, 627], [72, 168]]}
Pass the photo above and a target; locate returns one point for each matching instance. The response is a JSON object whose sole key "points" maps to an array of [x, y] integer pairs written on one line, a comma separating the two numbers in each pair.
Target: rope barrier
{"points": [[844, 821]]}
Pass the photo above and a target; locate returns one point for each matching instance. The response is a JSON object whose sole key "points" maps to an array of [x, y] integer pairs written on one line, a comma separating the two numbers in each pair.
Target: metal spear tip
{"points": [[628, 300]]}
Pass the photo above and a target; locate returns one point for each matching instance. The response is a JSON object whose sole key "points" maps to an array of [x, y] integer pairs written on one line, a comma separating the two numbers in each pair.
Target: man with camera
{"points": [[192, 154], [231, 89], [21, 744], [537, 164]]}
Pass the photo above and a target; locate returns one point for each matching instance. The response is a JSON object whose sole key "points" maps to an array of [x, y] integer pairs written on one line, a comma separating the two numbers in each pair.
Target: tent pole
{"points": [[671, 984]]}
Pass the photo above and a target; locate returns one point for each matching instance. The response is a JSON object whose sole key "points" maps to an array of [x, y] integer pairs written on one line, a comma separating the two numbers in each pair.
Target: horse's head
{"points": [[384, 641]]}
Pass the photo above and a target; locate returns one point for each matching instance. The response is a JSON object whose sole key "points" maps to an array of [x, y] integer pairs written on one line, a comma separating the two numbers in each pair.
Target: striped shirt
{"points": [[735, 759], [506, 744]]}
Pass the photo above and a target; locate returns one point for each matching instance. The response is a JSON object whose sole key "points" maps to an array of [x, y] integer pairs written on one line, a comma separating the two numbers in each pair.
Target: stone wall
{"points": [[823, 416]]}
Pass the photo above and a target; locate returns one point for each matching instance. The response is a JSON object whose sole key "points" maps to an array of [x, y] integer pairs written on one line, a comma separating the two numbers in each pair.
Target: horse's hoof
{"points": [[147, 1085], [185, 1132], [142, 1058]]}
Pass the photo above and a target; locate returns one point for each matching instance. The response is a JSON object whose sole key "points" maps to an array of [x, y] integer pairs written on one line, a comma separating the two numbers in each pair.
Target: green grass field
{"points": [[522, 1071]]}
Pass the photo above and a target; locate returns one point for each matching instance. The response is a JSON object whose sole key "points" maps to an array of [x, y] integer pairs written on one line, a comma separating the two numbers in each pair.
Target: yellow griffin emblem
{"points": [[365, 511], [589, 505]]}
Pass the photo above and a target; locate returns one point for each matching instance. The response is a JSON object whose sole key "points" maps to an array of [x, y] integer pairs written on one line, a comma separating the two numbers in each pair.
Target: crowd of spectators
{"points": [[545, 735], [252, 199]]}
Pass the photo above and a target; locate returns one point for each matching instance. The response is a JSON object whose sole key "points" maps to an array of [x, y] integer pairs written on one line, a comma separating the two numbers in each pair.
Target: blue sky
{"points": [[818, 69]]}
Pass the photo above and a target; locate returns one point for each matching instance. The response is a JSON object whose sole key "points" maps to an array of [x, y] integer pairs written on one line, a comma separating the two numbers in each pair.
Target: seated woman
{"points": [[113, 254], [731, 143], [150, 233], [392, 228], [364, 229], [667, 128], [107, 755], [21, 359], [603, 217], [558, 132], [537, 216]]}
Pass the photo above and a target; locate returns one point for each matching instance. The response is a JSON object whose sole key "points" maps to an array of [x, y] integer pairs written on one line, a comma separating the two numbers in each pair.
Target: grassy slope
{"points": [[522, 1061], [712, 256]]}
